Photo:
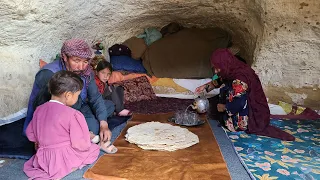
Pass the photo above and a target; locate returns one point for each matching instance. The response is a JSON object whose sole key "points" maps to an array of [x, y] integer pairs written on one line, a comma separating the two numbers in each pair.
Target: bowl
{"points": [[186, 119]]}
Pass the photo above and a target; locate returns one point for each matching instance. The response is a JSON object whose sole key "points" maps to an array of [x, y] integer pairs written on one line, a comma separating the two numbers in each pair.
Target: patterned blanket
{"points": [[267, 158]]}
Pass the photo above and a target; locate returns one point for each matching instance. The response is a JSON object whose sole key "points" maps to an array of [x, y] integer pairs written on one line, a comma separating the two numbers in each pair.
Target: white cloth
{"points": [[56, 101], [14, 117], [276, 110], [192, 84]]}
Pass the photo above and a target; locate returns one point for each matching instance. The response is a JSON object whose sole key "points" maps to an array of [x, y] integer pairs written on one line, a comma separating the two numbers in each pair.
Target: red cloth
{"points": [[100, 84], [306, 114], [259, 113]]}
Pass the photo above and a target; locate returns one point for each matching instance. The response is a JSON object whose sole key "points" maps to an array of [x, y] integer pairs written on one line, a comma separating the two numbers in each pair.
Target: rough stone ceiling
{"points": [[282, 37]]}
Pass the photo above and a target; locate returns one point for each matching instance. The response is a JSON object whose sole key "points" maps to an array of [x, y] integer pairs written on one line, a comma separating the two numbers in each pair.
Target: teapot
{"points": [[200, 104]]}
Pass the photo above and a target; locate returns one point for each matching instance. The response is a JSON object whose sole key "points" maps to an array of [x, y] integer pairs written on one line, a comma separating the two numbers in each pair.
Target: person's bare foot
{"points": [[94, 138], [125, 112]]}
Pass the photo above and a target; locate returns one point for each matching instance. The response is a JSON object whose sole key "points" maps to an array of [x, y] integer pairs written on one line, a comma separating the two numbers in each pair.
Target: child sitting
{"points": [[60, 132], [103, 70]]}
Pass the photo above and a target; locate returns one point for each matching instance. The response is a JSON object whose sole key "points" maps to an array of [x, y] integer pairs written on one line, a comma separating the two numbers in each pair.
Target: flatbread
{"points": [[161, 136]]}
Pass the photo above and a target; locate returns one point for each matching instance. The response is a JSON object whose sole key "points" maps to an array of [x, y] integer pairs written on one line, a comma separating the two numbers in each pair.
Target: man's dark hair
{"points": [[102, 65], [64, 81]]}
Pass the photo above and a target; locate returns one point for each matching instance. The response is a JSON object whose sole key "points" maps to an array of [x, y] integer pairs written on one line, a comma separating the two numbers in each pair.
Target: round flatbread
{"points": [[161, 136]]}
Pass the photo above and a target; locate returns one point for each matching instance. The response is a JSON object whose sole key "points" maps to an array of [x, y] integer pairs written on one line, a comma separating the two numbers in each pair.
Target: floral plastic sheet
{"points": [[269, 158]]}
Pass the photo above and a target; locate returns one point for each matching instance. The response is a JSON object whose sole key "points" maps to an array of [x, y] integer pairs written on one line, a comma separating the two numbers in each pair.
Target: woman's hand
{"points": [[200, 89], [221, 107], [105, 133]]}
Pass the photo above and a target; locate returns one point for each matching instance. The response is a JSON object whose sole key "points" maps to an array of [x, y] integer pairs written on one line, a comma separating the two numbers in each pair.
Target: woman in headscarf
{"points": [[246, 107]]}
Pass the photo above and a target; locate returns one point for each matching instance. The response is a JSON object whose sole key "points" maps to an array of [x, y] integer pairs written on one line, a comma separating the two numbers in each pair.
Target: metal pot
{"points": [[200, 104]]}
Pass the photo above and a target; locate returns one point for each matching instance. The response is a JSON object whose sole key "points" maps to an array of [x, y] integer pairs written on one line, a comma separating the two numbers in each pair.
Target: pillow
{"points": [[169, 83], [137, 47], [137, 89], [117, 76], [119, 50], [126, 63], [291, 109]]}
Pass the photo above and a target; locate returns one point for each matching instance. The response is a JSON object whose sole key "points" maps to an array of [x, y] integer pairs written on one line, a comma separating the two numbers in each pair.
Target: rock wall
{"points": [[288, 58], [280, 38]]}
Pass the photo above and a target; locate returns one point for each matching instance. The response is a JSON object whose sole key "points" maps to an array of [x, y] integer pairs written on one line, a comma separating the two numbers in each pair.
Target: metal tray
{"points": [[172, 120]]}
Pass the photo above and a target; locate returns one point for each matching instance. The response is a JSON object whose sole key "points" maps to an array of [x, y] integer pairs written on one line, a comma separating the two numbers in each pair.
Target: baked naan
{"points": [[161, 136]]}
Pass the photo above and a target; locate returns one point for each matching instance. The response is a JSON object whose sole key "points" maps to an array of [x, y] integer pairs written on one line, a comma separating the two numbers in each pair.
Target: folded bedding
{"points": [[118, 76], [166, 87], [127, 63]]}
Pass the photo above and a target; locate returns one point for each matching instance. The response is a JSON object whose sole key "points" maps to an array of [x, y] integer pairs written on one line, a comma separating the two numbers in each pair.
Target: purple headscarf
{"points": [[78, 48]]}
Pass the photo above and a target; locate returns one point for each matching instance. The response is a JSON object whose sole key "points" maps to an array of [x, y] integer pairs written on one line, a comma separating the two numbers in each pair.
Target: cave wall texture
{"points": [[280, 38]]}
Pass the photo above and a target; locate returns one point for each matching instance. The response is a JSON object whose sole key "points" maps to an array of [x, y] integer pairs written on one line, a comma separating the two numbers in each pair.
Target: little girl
{"points": [[60, 132], [103, 70]]}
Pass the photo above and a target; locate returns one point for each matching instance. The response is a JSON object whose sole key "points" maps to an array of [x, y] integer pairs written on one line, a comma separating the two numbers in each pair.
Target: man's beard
{"points": [[69, 68], [78, 72]]}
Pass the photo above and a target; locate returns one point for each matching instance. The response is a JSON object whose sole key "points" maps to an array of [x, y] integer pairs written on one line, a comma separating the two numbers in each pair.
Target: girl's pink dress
{"points": [[64, 142]]}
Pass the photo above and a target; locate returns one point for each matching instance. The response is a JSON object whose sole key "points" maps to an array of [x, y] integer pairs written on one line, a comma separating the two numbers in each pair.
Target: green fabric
{"points": [[215, 77], [150, 35]]}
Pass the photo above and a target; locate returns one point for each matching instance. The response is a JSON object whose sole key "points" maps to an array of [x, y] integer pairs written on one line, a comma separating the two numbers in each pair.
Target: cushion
{"points": [[291, 109], [118, 76], [137, 47], [126, 63], [137, 89], [119, 49], [169, 83]]}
